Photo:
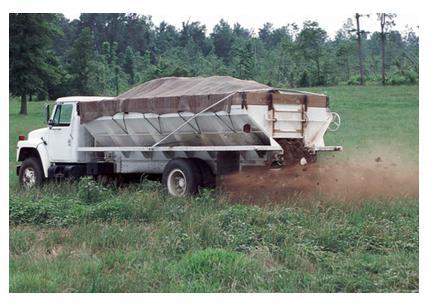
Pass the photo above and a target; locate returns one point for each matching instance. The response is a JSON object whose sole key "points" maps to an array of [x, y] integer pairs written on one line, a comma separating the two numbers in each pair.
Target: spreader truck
{"points": [[190, 130]]}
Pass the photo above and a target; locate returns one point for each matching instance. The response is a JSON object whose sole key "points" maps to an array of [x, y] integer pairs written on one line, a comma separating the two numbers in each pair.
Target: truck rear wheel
{"points": [[31, 174], [181, 177]]}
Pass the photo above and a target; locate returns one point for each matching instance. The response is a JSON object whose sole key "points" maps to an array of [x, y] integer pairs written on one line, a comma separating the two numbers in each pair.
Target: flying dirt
{"points": [[348, 180]]}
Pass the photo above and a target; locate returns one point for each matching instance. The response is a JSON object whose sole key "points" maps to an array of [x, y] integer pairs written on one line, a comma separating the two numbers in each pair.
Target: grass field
{"points": [[83, 237]]}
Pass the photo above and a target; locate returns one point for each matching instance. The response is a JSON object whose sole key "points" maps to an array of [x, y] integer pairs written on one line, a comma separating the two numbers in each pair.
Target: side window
{"points": [[62, 115]]}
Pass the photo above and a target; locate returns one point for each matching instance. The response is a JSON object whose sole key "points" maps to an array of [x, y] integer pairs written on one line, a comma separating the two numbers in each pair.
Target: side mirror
{"points": [[47, 113]]}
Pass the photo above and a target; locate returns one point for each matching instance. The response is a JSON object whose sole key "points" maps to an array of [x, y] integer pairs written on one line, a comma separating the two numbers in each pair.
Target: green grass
{"points": [[375, 116], [82, 237]]}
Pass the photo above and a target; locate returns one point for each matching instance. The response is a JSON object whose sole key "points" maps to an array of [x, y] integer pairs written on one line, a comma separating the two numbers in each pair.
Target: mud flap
{"points": [[228, 162]]}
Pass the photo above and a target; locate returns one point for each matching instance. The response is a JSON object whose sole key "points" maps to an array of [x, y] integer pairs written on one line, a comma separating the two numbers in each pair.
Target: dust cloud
{"points": [[356, 178]]}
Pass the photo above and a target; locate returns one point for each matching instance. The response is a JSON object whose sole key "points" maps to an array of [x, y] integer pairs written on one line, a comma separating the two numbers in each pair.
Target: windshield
{"points": [[62, 115]]}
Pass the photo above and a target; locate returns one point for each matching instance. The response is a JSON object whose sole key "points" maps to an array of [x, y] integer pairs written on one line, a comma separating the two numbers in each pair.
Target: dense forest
{"points": [[105, 54]]}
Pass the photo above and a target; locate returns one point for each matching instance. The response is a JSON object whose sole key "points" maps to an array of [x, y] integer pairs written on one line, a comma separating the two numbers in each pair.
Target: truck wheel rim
{"points": [[176, 183], [29, 177]]}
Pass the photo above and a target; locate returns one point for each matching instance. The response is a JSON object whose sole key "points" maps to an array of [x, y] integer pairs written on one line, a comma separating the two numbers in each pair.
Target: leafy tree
{"points": [[280, 34], [193, 38], [344, 56], [61, 43], [311, 41], [305, 80], [109, 53], [52, 78], [105, 27], [272, 37], [244, 59], [344, 45], [82, 65], [411, 47], [240, 32], [286, 62], [222, 39], [30, 36], [166, 37], [108, 64], [265, 34], [140, 34], [129, 66], [211, 65]]}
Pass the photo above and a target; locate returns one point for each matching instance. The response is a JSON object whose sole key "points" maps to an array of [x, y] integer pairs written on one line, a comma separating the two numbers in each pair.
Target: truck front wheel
{"points": [[181, 177], [31, 174]]}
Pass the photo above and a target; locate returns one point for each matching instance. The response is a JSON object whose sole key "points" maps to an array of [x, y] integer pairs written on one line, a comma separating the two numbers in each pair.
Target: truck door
{"points": [[59, 143]]}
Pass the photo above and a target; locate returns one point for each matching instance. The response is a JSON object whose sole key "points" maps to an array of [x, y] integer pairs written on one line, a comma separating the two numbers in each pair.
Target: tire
{"points": [[207, 176], [31, 174], [181, 177]]}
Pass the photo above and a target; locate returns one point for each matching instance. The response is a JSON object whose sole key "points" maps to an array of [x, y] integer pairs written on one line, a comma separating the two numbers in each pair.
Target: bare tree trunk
{"points": [[382, 40], [361, 65], [23, 110], [348, 67], [373, 63], [383, 58], [116, 79]]}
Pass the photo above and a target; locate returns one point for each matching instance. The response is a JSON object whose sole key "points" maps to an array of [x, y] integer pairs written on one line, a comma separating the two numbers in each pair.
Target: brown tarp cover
{"points": [[172, 95]]}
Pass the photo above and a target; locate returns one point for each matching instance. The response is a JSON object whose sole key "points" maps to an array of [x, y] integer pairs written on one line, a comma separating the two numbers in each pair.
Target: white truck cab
{"points": [[56, 144]]}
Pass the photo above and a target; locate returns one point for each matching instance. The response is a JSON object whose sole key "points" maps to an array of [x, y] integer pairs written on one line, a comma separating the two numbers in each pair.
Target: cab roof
{"points": [[82, 98]]}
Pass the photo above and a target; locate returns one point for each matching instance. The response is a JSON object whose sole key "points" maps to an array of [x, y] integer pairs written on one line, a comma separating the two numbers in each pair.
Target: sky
{"points": [[254, 18], [251, 14]]}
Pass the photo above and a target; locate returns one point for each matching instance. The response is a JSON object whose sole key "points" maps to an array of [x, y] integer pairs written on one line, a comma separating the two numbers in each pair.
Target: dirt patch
{"points": [[370, 176]]}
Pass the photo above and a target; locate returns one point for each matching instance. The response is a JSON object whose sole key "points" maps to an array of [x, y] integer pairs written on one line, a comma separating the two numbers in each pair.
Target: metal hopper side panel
{"points": [[176, 133]]}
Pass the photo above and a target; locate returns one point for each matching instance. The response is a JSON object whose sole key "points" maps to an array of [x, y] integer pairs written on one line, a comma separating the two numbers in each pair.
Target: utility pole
{"points": [[358, 35]]}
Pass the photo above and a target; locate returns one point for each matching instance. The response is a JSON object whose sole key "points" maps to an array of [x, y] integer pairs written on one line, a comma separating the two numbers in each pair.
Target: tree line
{"points": [[105, 54]]}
